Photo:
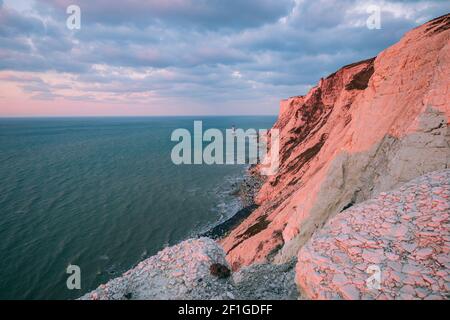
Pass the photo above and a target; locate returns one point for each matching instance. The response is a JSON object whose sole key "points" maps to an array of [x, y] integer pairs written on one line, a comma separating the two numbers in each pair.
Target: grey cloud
{"points": [[205, 14], [14, 24], [198, 45]]}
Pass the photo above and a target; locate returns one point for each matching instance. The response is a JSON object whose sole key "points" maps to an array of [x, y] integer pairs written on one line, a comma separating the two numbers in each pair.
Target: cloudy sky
{"points": [[183, 57]]}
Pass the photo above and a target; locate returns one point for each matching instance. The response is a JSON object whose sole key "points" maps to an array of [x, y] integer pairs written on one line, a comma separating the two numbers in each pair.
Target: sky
{"points": [[185, 57]]}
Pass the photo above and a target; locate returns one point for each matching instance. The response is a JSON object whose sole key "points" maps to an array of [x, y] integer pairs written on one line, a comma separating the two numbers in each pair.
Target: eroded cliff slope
{"points": [[365, 129]]}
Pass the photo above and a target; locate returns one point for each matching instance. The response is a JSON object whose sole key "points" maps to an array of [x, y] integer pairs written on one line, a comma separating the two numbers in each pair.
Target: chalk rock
{"points": [[418, 271], [178, 272]]}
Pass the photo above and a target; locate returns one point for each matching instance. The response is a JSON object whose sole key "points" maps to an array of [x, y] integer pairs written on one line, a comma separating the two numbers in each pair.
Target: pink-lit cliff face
{"points": [[365, 129], [183, 57]]}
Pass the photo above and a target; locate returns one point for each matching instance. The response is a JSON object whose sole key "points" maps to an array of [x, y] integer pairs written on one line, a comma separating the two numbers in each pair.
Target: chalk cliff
{"points": [[365, 129]]}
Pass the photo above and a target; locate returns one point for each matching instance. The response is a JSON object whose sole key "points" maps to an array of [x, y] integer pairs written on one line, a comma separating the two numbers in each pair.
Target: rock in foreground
{"points": [[196, 270], [404, 233], [178, 272]]}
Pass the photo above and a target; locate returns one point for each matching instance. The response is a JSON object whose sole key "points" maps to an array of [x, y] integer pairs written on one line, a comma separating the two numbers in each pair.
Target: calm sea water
{"points": [[101, 193]]}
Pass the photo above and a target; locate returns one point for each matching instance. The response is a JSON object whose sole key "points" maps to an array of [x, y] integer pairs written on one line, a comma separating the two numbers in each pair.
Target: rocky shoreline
{"points": [[246, 191]]}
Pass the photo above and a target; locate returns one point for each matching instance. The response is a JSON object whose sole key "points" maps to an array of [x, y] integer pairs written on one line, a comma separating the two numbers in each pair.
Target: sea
{"points": [[102, 194]]}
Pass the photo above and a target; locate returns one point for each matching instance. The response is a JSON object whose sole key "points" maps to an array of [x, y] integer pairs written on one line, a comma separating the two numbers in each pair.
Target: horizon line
{"points": [[135, 116]]}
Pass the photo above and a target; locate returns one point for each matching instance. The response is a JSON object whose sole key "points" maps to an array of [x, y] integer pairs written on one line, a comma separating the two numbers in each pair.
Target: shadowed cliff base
{"points": [[227, 226], [245, 191]]}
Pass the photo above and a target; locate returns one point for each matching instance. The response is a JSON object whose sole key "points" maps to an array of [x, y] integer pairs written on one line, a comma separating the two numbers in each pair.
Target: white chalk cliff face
{"points": [[366, 129]]}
